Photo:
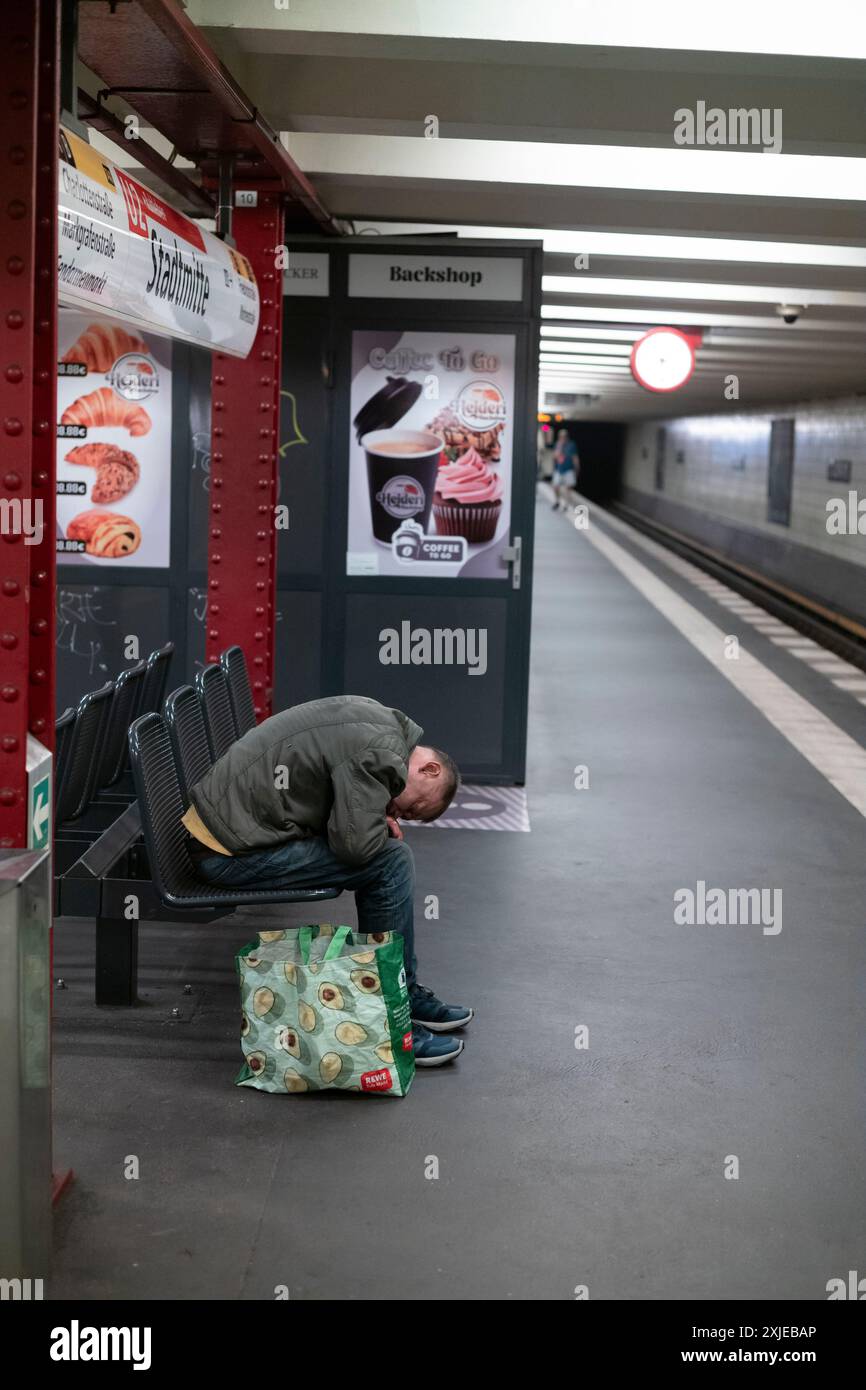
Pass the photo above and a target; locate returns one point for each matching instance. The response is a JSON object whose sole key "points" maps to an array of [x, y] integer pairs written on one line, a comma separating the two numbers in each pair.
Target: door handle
{"points": [[511, 555]]}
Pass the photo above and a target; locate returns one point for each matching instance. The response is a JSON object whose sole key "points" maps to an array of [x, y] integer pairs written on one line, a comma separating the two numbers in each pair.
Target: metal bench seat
{"points": [[81, 757], [63, 727], [153, 686], [127, 692], [233, 663], [216, 706], [161, 805], [186, 729]]}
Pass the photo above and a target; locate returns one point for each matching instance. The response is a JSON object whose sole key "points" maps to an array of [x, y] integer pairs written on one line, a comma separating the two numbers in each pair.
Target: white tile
{"points": [[832, 667]]}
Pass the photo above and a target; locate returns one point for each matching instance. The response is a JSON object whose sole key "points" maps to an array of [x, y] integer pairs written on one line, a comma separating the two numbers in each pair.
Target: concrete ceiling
{"points": [[408, 117]]}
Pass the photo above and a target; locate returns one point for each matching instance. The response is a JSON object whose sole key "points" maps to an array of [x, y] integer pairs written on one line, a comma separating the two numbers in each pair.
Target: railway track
{"points": [[836, 631]]}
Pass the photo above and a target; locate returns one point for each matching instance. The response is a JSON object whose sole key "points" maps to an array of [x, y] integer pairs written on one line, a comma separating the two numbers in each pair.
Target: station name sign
{"points": [[380, 275], [125, 252]]}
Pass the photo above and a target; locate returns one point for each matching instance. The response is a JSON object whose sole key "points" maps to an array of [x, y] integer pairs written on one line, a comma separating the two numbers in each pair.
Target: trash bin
{"points": [[25, 1070]]}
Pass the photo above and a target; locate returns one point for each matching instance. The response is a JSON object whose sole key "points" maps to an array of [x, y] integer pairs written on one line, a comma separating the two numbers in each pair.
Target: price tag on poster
{"points": [[430, 454], [113, 444]]}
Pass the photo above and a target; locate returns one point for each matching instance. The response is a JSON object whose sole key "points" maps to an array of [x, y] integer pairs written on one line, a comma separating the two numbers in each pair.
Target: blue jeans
{"points": [[384, 887]]}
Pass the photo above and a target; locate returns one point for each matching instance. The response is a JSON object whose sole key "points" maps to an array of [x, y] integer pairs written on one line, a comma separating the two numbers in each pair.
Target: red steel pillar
{"points": [[245, 417], [28, 357]]}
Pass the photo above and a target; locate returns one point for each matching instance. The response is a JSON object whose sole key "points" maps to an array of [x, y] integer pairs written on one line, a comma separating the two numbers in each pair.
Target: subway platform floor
{"points": [[704, 1144]]}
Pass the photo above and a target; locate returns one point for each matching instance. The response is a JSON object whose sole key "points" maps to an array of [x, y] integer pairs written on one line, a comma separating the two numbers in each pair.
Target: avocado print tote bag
{"points": [[324, 1008]]}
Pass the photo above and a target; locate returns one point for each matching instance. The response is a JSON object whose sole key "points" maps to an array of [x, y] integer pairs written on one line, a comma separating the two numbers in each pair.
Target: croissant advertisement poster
{"points": [[113, 444], [430, 454], [124, 251]]}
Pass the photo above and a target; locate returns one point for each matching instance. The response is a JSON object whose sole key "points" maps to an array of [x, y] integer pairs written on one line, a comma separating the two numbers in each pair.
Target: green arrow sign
{"points": [[40, 811]]}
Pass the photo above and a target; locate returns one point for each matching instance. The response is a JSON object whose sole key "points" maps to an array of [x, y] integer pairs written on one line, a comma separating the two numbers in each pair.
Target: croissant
{"points": [[100, 345], [117, 470], [103, 407], [105, 534]]}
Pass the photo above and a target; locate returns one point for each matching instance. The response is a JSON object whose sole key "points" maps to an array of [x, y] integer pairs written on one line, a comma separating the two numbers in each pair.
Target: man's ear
{"points": [[431, 768]]}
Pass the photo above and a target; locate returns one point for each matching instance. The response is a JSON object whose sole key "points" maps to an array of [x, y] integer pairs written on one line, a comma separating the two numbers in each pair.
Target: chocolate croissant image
{"points": [[100, 345], [117, 470], [105, 533], [103, 407]]}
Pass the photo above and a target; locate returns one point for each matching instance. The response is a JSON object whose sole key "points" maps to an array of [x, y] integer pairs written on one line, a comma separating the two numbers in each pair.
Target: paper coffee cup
{"points": [[401, 472]]}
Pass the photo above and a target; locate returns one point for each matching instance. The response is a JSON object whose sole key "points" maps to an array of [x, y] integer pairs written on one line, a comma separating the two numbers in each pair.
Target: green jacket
{"points": [[329, 767]]}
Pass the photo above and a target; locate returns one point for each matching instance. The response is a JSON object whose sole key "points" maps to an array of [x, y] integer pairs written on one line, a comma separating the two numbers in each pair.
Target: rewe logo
{"points": [[734, 907], [376, 1080], [855, 1288], [441, 646], [846, 518], [737, 126]]}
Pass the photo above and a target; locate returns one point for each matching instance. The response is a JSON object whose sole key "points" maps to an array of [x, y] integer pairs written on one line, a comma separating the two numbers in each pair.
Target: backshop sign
{"points": [[126, 253]]}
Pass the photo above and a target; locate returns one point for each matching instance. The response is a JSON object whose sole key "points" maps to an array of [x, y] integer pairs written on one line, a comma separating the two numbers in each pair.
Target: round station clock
{"points": [[662, 360]]}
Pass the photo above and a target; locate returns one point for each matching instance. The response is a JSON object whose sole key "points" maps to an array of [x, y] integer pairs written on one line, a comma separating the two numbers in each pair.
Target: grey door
{"points": [[780, 473]]}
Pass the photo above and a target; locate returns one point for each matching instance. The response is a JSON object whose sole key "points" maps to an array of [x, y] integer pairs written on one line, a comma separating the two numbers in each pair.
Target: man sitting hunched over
{"points": [[311, 798]]}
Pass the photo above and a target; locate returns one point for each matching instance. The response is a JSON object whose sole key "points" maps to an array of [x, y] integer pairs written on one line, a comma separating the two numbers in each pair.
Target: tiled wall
{"points": [[718, 464]]}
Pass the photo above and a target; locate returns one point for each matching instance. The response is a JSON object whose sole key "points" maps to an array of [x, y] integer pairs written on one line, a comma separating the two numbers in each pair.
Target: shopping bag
{"points": [[325, 1008]]}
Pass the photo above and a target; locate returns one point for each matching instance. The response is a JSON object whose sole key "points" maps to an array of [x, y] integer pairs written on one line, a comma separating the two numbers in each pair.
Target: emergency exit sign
{"points": [[39, 811]]}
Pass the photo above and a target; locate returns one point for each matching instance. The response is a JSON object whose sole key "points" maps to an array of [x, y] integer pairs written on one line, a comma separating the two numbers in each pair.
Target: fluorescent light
{"points": [[588, 369], [621, 335], [682, 248], [675, 316], [581, 362], [740, 26], [609, 349], [550, 164], [639, 245], [695, 289]]}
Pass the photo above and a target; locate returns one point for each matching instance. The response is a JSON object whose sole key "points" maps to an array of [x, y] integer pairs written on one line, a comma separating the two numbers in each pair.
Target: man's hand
{"points": [[393, 828]]}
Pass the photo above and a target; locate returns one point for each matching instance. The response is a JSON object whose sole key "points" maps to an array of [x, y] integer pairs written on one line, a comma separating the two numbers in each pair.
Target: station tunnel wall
{"points": [[768, 489]]}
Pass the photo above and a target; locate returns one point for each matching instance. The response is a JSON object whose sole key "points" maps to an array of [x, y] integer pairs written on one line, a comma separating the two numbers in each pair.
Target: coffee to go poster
{"points": [[113, 444], [430, 454]]}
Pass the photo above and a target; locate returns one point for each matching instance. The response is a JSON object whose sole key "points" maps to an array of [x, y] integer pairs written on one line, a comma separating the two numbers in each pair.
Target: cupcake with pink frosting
{"points": [[468, 498]]}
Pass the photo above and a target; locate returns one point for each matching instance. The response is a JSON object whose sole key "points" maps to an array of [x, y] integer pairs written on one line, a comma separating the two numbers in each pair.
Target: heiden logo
{"points": [[133, 377], [480, 405], [402, 497]]}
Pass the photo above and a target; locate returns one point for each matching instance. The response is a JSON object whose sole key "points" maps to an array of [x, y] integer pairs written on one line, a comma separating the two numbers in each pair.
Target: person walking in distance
{"points": [[565, 468]]}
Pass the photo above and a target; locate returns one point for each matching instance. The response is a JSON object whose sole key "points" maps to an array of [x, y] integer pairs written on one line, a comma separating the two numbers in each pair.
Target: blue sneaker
{"points": [[431, 1051], [433, 1014]]}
